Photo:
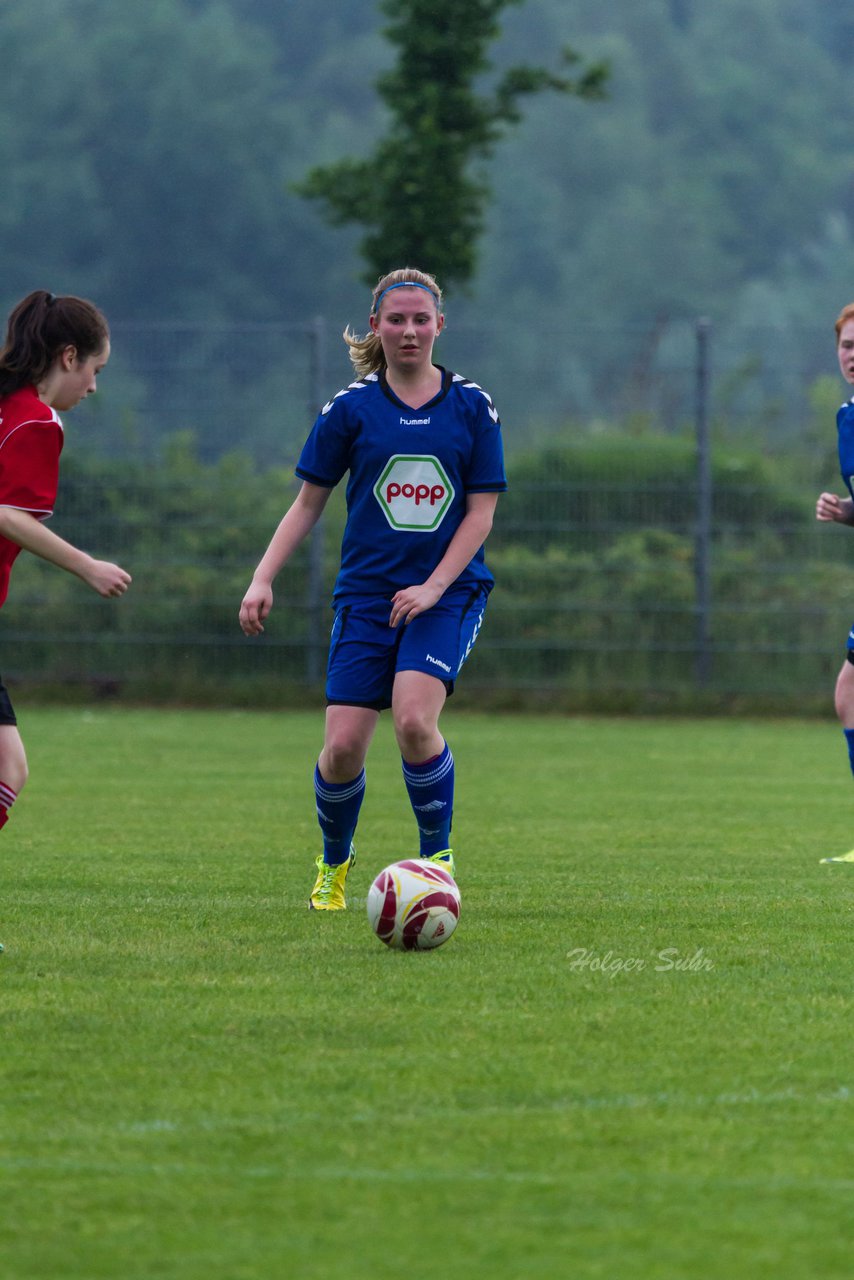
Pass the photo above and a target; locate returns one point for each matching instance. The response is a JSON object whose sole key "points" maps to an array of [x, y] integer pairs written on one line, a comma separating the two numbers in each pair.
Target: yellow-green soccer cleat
{"points": [[328, 891], [843, 857], [444, 859]]}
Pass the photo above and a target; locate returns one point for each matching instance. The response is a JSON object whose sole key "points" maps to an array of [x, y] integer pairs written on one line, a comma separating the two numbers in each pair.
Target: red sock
{"points": [[7, 799]]}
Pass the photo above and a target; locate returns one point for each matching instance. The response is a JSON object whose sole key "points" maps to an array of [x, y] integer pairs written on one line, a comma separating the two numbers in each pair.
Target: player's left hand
{"points": [[831, 507], [407, 603]]}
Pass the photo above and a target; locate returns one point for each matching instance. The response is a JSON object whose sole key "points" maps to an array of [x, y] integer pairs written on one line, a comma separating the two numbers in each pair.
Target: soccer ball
{"points": [[414, 905]]}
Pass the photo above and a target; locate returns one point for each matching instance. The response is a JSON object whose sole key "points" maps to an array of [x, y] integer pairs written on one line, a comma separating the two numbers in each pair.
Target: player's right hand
{"points": [[255, 607]]}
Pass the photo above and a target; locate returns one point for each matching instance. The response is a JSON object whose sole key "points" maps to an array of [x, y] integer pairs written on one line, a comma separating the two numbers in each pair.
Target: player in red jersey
{"points": [[54, 350]]}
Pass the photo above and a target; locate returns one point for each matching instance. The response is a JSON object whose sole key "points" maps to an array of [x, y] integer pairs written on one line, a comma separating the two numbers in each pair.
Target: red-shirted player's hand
{"points": [[106, 578], [256, 605], [410, 601]]}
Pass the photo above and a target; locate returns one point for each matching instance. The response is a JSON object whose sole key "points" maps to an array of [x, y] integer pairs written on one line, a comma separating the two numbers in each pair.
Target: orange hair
{"points": [[847, 313]]}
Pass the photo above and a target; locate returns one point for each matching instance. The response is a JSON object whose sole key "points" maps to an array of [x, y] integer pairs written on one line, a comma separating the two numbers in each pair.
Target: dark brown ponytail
{"points": [[40, 327]]}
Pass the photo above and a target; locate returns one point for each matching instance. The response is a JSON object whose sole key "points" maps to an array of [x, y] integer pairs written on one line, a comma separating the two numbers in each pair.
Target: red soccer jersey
{"points": [[30, 445]]}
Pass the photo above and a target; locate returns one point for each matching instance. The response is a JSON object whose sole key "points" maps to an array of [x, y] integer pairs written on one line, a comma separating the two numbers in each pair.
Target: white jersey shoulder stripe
{"points": [[474, 386], [32, 422], [354, 386]]}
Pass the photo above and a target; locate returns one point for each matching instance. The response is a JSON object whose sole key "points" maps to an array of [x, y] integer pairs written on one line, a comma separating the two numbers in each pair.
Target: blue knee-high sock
{"points": [[338, 805], [431, 794], [849, 738]]}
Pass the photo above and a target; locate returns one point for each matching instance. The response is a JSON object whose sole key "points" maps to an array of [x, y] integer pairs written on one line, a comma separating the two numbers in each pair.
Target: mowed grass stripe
{"points": [[201, 1077]]}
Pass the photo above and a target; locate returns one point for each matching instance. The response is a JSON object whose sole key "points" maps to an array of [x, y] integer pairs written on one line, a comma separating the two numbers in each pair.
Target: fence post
{"points": [[316, 639], [703, 537]]}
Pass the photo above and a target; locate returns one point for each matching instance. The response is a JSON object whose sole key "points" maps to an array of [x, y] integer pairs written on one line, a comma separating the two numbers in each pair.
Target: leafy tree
{"points": [[149, 153], [154, 151], [419, 191]]}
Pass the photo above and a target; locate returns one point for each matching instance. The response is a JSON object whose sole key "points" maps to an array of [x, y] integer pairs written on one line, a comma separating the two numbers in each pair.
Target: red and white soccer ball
{"points": [[414, 905]]}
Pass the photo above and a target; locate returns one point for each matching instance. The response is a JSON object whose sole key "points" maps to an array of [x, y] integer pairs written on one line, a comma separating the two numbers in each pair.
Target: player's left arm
{"points": [[474, 529]]}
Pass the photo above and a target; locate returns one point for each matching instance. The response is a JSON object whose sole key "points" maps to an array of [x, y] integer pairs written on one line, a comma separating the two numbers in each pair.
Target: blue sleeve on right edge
{"points": [[845, 428]]}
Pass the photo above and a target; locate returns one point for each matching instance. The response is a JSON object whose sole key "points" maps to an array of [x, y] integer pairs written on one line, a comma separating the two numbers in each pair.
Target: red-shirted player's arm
{"points": [[26, 531]]}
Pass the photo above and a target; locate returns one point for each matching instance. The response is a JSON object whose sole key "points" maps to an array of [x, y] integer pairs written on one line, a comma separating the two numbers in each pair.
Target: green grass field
{"points": [[632, 1060]]}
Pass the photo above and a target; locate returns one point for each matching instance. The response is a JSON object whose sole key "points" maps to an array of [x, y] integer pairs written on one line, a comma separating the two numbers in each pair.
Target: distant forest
{"points": [[149, 153]]}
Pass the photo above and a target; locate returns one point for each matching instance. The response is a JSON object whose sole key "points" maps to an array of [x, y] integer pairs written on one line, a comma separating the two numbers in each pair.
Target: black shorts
{"points": [[7, 711]]}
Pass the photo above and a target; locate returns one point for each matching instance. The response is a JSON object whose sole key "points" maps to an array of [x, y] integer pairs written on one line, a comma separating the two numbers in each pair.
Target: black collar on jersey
{"points": [[447, 379]]}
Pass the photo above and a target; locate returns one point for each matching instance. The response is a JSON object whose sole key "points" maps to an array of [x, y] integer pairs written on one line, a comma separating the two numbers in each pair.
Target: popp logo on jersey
{"points": [[414, 492]]}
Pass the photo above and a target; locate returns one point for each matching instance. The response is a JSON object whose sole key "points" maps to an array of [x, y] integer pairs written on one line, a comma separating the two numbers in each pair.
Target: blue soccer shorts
{"points": [[365, 653]]}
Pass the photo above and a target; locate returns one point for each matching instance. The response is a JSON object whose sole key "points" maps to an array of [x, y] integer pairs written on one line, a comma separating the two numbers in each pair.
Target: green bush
{"points": [[593, 551]]}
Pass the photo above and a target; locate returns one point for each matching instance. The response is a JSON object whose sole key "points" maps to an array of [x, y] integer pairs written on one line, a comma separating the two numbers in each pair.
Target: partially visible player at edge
{"points": [[423, 450], [831, 507], [55, 348]]}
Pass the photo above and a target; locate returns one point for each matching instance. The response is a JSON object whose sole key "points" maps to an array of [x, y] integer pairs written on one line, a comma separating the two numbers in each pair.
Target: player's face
{"points": [[845, 350], [408, 325], [78, 376]]}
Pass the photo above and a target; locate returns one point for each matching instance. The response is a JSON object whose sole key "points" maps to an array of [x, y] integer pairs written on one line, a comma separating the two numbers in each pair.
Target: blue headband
{"points": [[404, 284]]}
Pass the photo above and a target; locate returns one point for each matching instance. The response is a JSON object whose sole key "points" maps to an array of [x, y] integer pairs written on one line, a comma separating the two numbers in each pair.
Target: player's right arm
{"points": [[27, 532], [296, 524], [829, 507]]}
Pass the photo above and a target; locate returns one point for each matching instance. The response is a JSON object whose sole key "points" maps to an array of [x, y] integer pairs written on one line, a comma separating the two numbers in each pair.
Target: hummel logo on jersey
{"points": [[436, 663], [415, 422], [431, 807]]}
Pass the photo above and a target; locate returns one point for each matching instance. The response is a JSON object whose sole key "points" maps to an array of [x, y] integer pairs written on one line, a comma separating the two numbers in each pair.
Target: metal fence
{"points": [[621, 591]]}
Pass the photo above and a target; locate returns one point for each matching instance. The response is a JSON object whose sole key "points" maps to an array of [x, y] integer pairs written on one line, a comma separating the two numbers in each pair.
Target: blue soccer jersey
{"points": [[410, 472], [845, 428]]}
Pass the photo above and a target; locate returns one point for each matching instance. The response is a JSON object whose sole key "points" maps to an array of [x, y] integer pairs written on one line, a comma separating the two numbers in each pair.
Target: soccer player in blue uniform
{"points": [[830, 507], [423, 450]]}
